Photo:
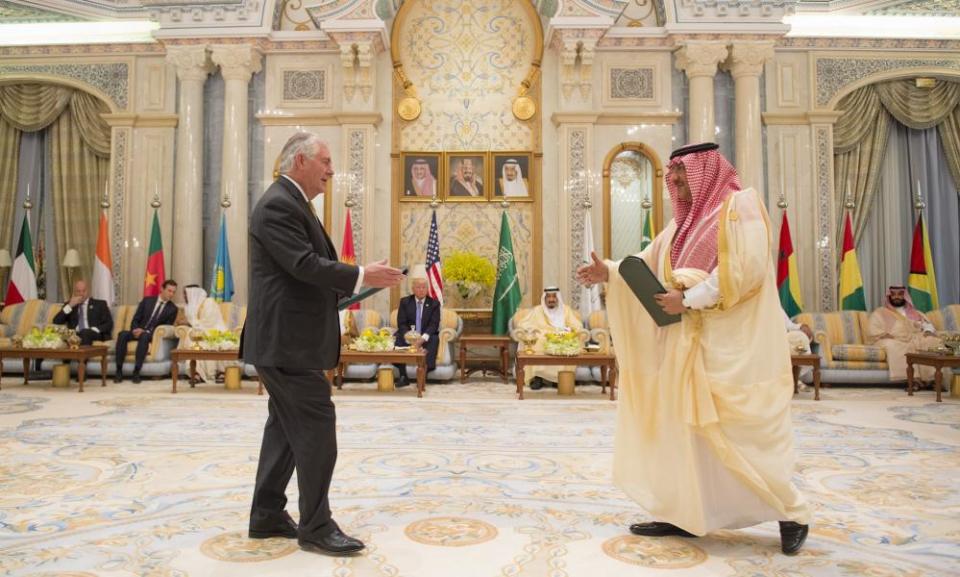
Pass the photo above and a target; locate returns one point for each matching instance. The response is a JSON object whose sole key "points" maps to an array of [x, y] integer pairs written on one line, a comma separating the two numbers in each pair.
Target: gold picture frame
{"points": [[463, 178], [519, 191], [429, 177]]}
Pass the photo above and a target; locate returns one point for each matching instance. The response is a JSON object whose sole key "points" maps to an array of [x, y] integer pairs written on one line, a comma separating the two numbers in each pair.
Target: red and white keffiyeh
{"points": [[711, 179]]}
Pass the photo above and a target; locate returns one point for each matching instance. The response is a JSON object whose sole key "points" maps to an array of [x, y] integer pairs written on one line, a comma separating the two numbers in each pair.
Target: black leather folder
{"points": [[645, 286], [366, 293]]}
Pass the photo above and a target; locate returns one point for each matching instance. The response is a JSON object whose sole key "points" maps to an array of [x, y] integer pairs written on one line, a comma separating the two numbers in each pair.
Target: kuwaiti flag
{"points": [[788, 277], [102, 284], [922, 282], [23, 276], [851, 283], [154, 277]]}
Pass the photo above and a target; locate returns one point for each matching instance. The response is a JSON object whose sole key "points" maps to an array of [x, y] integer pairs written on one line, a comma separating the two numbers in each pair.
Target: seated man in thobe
{"points": [[551, 316], [900, 328], [203, 313], [422, 313], [90, 317], [799, 336]]}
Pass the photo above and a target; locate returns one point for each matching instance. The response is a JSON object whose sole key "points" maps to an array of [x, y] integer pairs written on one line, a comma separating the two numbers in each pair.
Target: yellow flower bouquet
{"points": [[48, 338], [469, 272], [370, 341], [563, 344], [217, 340]]}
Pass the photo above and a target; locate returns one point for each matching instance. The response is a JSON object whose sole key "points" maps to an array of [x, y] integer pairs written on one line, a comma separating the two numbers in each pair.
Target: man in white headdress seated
{"points": [[551, 316], [512, 182], [203, 313]]}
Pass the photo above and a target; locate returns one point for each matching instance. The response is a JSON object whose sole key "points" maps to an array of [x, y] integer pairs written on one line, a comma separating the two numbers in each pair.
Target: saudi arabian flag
{"points": [[154, 277], [922, 282], [851, 283], [646, 236], [788, 279], [506, 296]]}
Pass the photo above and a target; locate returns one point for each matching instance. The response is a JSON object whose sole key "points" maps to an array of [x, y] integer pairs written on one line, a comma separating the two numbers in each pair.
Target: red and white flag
{"points": [[23, 275], [434, 271], [102, 285]]}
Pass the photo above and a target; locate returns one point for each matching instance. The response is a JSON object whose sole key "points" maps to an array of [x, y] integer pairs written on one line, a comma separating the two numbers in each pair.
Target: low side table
{"points": [[934, 360], [606, 362], [194, 355], [80, 354], [806, 360], [402, 357], [502, 342]]}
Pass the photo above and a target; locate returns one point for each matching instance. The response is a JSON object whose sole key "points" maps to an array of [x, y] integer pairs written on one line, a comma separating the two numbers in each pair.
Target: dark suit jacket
{"points": [[295, 282], [141, 317], [98, 315], [429, 324]]}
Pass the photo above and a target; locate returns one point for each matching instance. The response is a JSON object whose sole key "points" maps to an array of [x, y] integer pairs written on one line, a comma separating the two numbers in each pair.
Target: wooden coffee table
{"points": [[194, 355], [607, 363], [936, 360], [80, 354], [806, 360], [418, 358], [482, 340]]}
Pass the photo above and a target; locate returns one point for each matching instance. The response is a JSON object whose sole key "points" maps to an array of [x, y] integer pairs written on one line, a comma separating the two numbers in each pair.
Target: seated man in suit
{"points": [[91, 318], [421, 312], [151, 313]]}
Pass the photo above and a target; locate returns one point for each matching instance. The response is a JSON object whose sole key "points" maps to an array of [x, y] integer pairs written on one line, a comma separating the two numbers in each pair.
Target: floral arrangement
{"points": [[565, 344], [48, 338], [469, 272], [370, 341], [217, 340]]}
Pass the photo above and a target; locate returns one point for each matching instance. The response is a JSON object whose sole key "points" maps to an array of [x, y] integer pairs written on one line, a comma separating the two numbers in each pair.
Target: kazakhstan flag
{"points": [[221, 285]]}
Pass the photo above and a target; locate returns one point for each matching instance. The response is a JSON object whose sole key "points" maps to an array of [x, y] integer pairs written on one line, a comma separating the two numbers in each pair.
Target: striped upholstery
{"points": [[233, 316], [598, 320], [18, 319], [367, 319], [946, 319], [859, 353]]}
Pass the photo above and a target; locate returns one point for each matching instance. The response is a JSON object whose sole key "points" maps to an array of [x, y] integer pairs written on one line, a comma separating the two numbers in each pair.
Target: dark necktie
{"points": [[153, 318]]}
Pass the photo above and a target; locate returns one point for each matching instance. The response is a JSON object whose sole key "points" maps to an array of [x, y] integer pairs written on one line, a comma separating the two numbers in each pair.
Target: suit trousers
{"points": [[89, 336], [143, 345], [300, 433]]}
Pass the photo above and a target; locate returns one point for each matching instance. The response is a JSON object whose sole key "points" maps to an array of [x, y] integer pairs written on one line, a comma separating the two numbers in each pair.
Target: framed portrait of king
{"points": [[465, 177], [422, 175], [512, 179]]}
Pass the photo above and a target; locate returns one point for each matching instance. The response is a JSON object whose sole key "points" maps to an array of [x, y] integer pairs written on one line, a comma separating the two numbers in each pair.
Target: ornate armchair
{"points": [[451, 326]]}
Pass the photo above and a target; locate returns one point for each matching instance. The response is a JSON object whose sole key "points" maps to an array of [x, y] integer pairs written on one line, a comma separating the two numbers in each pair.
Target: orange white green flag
{"points": [[102, 283]]}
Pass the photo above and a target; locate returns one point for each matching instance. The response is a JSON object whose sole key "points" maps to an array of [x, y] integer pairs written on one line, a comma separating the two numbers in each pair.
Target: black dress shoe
{"points": [[136, 379], [403, 381], [118, 379], [792, 536], [286, 528], [658, 529], [335, 543], [536, 384]]}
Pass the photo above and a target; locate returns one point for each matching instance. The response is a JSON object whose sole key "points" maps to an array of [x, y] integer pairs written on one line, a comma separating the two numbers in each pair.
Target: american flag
{"points": [[434, 272]]}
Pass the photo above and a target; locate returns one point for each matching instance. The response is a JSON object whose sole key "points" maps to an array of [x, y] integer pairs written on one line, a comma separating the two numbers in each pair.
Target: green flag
{"points": [[646, 237], [506, 297]]}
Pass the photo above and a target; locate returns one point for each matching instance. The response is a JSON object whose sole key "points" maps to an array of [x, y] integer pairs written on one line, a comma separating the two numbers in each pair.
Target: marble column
{"points": [[237, 64], [192, 65], [699, 60], [746, 64]]}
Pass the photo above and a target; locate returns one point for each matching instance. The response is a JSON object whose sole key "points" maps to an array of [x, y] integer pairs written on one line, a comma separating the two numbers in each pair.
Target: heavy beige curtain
{"points": [[861, 133], [80, 154], [9, 160]]}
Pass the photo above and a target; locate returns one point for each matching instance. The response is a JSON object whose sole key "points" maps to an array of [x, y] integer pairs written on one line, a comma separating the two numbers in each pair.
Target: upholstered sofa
{"points": [[20, 318], [846, 358], [582, 373], [451, 325]]}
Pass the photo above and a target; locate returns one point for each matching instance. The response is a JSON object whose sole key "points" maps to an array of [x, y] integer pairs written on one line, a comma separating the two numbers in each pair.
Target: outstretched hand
{"points": [[381, 275], [593, 273]]}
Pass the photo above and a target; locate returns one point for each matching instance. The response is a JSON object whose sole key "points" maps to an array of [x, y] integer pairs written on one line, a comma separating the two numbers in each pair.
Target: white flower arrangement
{"points": [[48, 338]]}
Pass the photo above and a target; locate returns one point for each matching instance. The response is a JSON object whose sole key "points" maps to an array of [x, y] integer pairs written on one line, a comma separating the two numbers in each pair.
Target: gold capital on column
{"points": [[748, 58], [701, 58]]}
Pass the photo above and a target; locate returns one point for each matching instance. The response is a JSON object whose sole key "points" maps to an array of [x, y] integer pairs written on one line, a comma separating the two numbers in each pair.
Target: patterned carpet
{"points": [[130, 480]]}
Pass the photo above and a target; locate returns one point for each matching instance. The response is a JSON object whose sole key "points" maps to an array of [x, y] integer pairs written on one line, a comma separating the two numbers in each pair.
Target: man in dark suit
{"points": [[291, 335], [422, 313], [151, 313], [91, 318]]}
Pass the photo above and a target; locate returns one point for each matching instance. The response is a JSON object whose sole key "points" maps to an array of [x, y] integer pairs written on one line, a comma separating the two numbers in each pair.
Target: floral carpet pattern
{"points": [[467, 482]]}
